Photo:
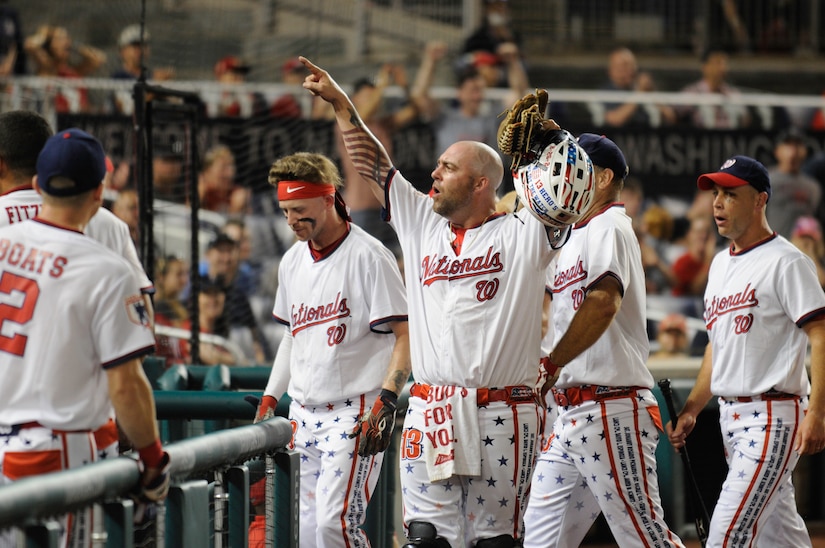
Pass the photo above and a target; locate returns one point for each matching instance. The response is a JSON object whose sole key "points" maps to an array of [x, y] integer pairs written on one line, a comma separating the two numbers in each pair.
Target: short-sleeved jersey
{"points": [[604, 246], [475, 317], [337, 308], [756, 302], [24, 203], [69, 309]]}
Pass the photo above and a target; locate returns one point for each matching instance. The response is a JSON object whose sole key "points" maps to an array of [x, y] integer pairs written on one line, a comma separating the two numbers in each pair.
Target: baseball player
{"points": [[761, 301], [474, 282], [65, 367], [22, 136], [601, 456], [341, 296]]}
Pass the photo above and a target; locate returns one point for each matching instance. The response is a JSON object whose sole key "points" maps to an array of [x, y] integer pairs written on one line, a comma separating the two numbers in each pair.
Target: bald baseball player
{"points": [[763, 306], [601, 456], [22, 136], [475, 281], [65, 367], [346, 354]]}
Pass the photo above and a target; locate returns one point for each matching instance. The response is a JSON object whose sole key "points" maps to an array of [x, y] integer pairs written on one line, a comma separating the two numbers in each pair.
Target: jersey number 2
{"points": [[16, 344]]}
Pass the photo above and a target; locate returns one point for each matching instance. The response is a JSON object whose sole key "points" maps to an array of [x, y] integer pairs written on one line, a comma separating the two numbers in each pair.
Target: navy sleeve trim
{"points": [[374, 325], [129, 357]]}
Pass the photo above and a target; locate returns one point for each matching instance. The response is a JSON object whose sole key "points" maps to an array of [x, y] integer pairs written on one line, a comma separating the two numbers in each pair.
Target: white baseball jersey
{"points": [[464, 307], [604, 246], [22, 204], [60, 326], [336, 309], [756, 300]]}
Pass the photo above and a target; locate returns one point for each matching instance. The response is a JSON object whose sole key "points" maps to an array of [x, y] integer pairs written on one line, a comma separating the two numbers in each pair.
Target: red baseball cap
{"points": [[231, 63], [807, 226], [485, 59]]}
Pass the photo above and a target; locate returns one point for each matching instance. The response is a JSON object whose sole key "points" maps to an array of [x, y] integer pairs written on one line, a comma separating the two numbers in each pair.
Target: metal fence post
{"points": [[43, 535], [284, 482], [187, 511], [119, 524], [237, 486]]}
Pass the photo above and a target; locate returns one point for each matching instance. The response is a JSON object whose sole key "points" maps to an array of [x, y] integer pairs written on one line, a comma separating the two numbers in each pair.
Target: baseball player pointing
{"points": [[763, 304], [475, 281]]}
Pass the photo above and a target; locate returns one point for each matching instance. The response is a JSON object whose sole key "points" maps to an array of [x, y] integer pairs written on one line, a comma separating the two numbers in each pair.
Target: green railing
{"points": [[30, 504]]}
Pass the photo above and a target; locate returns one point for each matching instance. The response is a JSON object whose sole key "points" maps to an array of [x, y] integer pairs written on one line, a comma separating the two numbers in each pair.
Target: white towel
{"points": [[453, 440]]}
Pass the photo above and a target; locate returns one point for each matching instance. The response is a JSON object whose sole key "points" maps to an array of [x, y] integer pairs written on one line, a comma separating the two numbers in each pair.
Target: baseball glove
{"points": [[522, 126]]}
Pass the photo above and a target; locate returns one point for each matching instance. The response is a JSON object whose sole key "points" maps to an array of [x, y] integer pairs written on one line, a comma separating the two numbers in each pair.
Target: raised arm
{"points": [[366, 152]]}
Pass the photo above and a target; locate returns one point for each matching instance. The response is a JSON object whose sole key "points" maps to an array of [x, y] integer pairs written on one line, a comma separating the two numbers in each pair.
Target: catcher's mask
{"points": [[558, 185]]}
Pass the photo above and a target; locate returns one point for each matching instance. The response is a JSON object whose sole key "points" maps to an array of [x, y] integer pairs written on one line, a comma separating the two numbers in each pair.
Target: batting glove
{"points": [[548, 375], [154, 473], [266, 409], [377, 425]]}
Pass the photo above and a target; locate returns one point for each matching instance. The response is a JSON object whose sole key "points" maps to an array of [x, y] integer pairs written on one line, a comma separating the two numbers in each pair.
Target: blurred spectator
{"points": [[131, 56], [654, 240], [257, 503], [495, 29], [623, 75], [793, 193], [12, 52], [216, 183], [807, 237], [125, 207], [167, 171], [288, 105], [171, 277], [222, 258], [248, 267], [672, 337], [50, 48], [471, 117], [234, 102], [715, 66], [633, 198], [212, 301], [690, 270]]}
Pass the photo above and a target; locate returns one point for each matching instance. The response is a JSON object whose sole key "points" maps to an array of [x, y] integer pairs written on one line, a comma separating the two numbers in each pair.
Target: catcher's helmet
{"points": [[558, 185]]}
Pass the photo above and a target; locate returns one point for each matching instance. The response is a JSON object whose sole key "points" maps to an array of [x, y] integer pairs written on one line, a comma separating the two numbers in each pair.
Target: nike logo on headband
{"points": [[292, 189]]}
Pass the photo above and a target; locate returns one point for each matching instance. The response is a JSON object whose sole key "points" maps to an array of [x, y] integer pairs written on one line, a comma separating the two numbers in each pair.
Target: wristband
{"points": [[152, 454], [548, 365], [388, 397]]}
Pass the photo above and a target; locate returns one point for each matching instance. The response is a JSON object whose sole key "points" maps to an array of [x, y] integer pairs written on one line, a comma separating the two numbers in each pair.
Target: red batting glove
{"points": [[266, 409], [154, 472], [377, 425], [548, 375]]}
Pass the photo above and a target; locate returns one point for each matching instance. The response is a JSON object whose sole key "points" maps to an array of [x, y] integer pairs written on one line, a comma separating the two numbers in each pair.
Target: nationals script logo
{"points": [[304, 315], [718, 306], [574, 274], [434, 268]]}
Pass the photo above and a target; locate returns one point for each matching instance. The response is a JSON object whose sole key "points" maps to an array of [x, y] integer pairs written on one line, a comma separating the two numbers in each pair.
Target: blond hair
{"points": [[305, 166]]}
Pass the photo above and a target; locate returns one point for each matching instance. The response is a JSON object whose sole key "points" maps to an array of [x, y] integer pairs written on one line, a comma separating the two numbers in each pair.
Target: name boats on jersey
{"points": [[306, 315], [730, 303], [434, 268], [33, 259]]}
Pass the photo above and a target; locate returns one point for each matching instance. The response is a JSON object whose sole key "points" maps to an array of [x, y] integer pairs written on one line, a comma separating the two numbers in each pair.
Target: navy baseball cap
{"points": [[604, 153], [75, 155], [738, 171]]}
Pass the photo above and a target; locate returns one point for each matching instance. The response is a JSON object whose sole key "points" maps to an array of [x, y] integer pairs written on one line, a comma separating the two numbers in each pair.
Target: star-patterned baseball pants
{"points": [[465, 509], [336, 484], [600, 458], [757, 499]]}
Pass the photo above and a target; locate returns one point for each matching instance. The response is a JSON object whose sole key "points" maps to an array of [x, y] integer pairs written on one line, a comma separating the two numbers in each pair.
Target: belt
{"points": [[16, 428], [579, 394], [511, 394], [769, 395]]}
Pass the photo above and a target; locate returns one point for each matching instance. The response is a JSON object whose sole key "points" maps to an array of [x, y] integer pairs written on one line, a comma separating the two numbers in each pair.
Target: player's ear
{"points": [[35, 184]]}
